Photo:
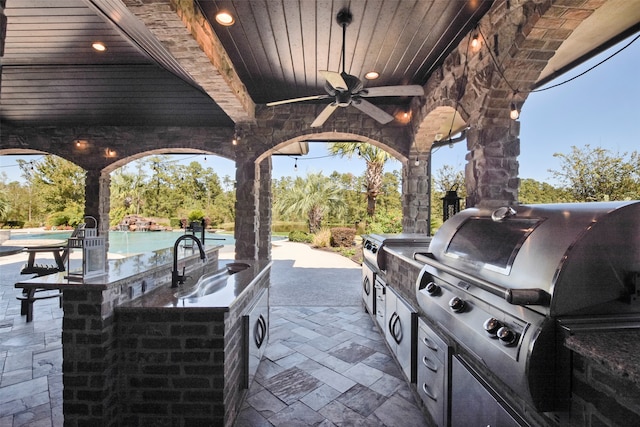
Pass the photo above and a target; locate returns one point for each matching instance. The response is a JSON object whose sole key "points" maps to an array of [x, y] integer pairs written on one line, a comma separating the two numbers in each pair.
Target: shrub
{"points": [[385, 222], [342, 237], [286, 227], [57, 219], [300, 236], [322, 239], [196, 215], [12, 224], [227, 226], [175, 223]]}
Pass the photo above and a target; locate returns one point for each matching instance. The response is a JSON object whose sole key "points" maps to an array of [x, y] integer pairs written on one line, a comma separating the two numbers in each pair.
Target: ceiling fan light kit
{"points": [[346, 89]]}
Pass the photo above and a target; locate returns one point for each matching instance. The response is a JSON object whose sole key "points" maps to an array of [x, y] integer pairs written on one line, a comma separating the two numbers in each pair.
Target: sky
{"points": [[600, 108]]}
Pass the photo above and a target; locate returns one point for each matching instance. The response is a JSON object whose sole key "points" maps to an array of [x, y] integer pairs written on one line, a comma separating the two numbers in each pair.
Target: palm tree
{"points": [[313, 197], [375, 158]]}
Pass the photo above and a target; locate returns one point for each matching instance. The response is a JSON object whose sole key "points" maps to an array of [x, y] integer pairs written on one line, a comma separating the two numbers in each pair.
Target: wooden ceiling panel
{"points": [[278, 46], [52, 75]]}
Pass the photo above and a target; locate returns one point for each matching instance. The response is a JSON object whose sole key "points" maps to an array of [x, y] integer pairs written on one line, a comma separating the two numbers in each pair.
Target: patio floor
{"points": [[326, 363]]}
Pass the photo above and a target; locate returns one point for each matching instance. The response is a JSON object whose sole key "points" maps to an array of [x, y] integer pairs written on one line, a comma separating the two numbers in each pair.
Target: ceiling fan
{"points": [[347, 89]]}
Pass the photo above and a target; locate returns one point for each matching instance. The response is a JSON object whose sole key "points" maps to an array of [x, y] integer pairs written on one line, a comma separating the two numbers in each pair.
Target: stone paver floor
{"points": [[325, 365]]}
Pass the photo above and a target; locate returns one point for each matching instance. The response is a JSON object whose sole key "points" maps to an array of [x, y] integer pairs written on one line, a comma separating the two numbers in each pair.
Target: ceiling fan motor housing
{"points": [[343, 99], [344, 17]]}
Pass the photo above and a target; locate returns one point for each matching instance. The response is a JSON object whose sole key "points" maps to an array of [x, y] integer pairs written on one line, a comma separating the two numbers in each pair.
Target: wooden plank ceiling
{"points": [[51, 75], [278, 47]]}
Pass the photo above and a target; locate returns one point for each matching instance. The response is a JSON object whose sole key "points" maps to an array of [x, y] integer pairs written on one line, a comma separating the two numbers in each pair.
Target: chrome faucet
{"points": [[176, 278]]}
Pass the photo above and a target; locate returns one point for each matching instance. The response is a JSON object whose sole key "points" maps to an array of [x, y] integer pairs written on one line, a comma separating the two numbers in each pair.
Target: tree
{"points": [[445, 179], [596, 174], [375, 159], [60, 186], [314, 196], [532, 191], [353, 197], [4, 205]]}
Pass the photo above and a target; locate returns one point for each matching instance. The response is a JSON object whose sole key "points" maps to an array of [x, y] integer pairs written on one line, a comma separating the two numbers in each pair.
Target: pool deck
{"points": [[326, 364]]}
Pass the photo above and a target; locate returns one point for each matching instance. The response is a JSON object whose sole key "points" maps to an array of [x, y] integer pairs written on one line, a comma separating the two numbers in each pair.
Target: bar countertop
{"points": [[221, 293], [616, 351], [117, 270]]}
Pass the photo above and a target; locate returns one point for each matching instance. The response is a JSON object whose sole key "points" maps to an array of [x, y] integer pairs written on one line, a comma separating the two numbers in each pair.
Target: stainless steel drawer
{"points": [[433, 373]]}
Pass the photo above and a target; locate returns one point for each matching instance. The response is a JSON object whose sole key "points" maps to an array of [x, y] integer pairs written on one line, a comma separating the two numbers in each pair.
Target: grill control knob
{"points": [[457, 304], [432, 289], [491, 326], [507, 336]]}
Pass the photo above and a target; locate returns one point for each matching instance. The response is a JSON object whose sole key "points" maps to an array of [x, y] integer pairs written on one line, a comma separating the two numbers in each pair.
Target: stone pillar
{"points": [[264, 210], [247, 216], [89, 369], [491, 173], [416, 183], [97, 203]]}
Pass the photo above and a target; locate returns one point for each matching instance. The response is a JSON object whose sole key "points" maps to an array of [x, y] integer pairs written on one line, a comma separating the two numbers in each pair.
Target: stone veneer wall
{"points": [[600, 398], [182, 367], [90, 354]]}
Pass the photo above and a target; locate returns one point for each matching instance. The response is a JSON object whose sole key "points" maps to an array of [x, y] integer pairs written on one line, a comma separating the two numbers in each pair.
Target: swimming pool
{"points": [[129, 243]]}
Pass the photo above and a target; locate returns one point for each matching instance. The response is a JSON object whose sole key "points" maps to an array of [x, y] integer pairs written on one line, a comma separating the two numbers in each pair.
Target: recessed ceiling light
{"points": [[372, 75], [225, 18], [99, 46]]}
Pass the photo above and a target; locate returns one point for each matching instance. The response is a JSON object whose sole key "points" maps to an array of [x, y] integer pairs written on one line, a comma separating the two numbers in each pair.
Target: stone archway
{"points": [[482, 84], [257, 142]]}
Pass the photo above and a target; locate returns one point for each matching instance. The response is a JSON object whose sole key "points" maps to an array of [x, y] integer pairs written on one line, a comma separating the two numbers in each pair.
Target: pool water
{"points": [[128, 243]]}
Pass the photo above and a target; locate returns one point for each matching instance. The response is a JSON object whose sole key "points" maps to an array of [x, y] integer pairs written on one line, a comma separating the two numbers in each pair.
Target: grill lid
{"points": [[562, 258]]}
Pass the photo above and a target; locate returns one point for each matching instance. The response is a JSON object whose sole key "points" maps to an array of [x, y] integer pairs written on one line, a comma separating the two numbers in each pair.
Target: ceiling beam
{"points": [[188, 36]]}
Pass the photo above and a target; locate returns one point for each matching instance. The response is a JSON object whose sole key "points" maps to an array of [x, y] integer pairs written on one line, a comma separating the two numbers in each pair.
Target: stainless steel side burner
{"points": [[373, 247]]}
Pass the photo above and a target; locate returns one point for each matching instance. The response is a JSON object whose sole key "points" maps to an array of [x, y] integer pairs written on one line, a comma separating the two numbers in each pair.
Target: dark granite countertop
{"points": [[221, 292], [117, 269], [616, 351]]}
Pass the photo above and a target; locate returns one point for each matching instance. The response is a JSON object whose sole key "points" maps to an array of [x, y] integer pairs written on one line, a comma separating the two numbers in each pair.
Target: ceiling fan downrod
{"points": [[344, 18]]}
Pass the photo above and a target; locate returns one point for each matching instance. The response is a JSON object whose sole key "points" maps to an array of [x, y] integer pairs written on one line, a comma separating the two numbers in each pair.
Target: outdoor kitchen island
{"points": [[138, 352], [514, 351]]}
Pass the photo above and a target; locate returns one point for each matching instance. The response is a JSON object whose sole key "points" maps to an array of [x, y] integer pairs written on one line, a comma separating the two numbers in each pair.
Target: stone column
{"points": [[491, 173], [97, 203], [247, 216], [264, 210], [416, 182], [89, 356]]}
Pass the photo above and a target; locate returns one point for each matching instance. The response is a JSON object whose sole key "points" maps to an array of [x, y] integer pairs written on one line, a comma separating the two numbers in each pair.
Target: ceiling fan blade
{"points": [[408, 90], [324, 115], [335, 80], [376, 113], [304, 98]]}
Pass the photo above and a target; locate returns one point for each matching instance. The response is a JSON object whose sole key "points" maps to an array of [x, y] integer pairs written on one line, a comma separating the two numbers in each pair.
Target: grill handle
{"points": [[533, 296]]}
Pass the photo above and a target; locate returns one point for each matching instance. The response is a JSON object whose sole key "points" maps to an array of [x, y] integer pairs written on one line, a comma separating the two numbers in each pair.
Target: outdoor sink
{"points": [[206, 284], [235, 267]]}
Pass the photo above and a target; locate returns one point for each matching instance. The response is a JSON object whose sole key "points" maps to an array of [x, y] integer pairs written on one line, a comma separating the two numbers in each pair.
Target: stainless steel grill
{"points": [[395, 317], [504, 283]]}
